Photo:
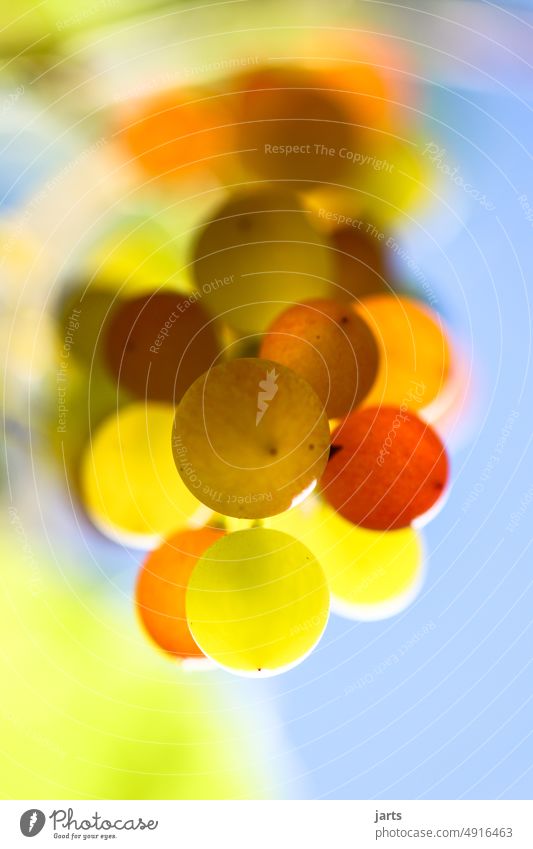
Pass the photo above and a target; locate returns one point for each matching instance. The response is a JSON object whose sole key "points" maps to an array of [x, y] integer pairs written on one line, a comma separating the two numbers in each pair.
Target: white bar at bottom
{"points": [[269, 824]]}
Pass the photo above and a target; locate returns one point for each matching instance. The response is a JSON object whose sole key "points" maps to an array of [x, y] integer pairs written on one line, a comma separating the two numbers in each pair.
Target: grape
{"points": [[176, 134], [359, 261], [322, 343], [131, 490], [83, 314], [390, 176], [386, 467], [415, 355], [257, 254], [137, 254], [90, 397], [250, 437], [161, 587], [371, 574], [368, 73], [157, 345], [289, 126], [257, 601]]}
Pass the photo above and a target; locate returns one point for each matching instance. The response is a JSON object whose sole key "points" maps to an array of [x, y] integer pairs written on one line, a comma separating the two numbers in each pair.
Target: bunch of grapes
{"points": [[260, 414]]}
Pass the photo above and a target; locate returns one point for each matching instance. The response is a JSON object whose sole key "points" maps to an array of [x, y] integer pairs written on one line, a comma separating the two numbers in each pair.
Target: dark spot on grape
{"points": [[344, 319], [311, 447], [438, 485], [334, 449], [317, 337], [273, 451], [259, 669]]}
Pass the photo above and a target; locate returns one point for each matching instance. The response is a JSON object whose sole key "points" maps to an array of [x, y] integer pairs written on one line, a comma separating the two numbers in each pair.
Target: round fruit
{"points": [[175, 134], [386, 468], [130, 486], [371, 574], [415, 355], [158, 344], [290, 127], [321, 342], [161, 587], [250, 438], [359, 267], [257, 601], [257, 254]]}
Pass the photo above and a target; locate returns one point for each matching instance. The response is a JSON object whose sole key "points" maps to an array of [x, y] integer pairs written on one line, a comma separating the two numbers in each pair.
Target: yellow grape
{"points": [[258, 254], [371, 574], [257, 602], [130, 486], [250, 438]]}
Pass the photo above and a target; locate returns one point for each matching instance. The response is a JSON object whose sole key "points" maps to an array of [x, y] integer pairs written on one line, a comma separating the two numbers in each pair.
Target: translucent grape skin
{"points": [[258, 253], [130, 487], [158, 344], [386, 468], [371, 574], [176, 134], [161, 587], [289, 127], [359, 267], [250, 437], [83, 314], [257, 602], [415, 354], [321, 342]]}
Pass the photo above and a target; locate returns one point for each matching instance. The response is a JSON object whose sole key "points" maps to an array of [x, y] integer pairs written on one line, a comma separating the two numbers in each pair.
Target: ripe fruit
{"points": [[415, 355], [257, 601], [161, 588], [130, 486], [158, 344], [250, 438], [371, 574], [257, 254], [321, 341], [386, 468]]}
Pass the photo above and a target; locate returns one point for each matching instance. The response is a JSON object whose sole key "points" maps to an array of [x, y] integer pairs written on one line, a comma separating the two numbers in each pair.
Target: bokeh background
{"points": [[432, 703]]}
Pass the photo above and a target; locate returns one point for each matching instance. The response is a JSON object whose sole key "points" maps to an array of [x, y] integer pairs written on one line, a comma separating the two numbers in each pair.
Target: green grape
{"points": [[137, 254], [130, 487], [371, 574], [83, 315], [250, 438], [258, 254], [257, 602]]}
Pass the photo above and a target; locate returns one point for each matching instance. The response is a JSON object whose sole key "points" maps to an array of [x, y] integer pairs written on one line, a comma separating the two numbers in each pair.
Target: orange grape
{"points": [[162, 585], [386, 468], [177, 133], [321, 342], [290, 127], [415, 355]]}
